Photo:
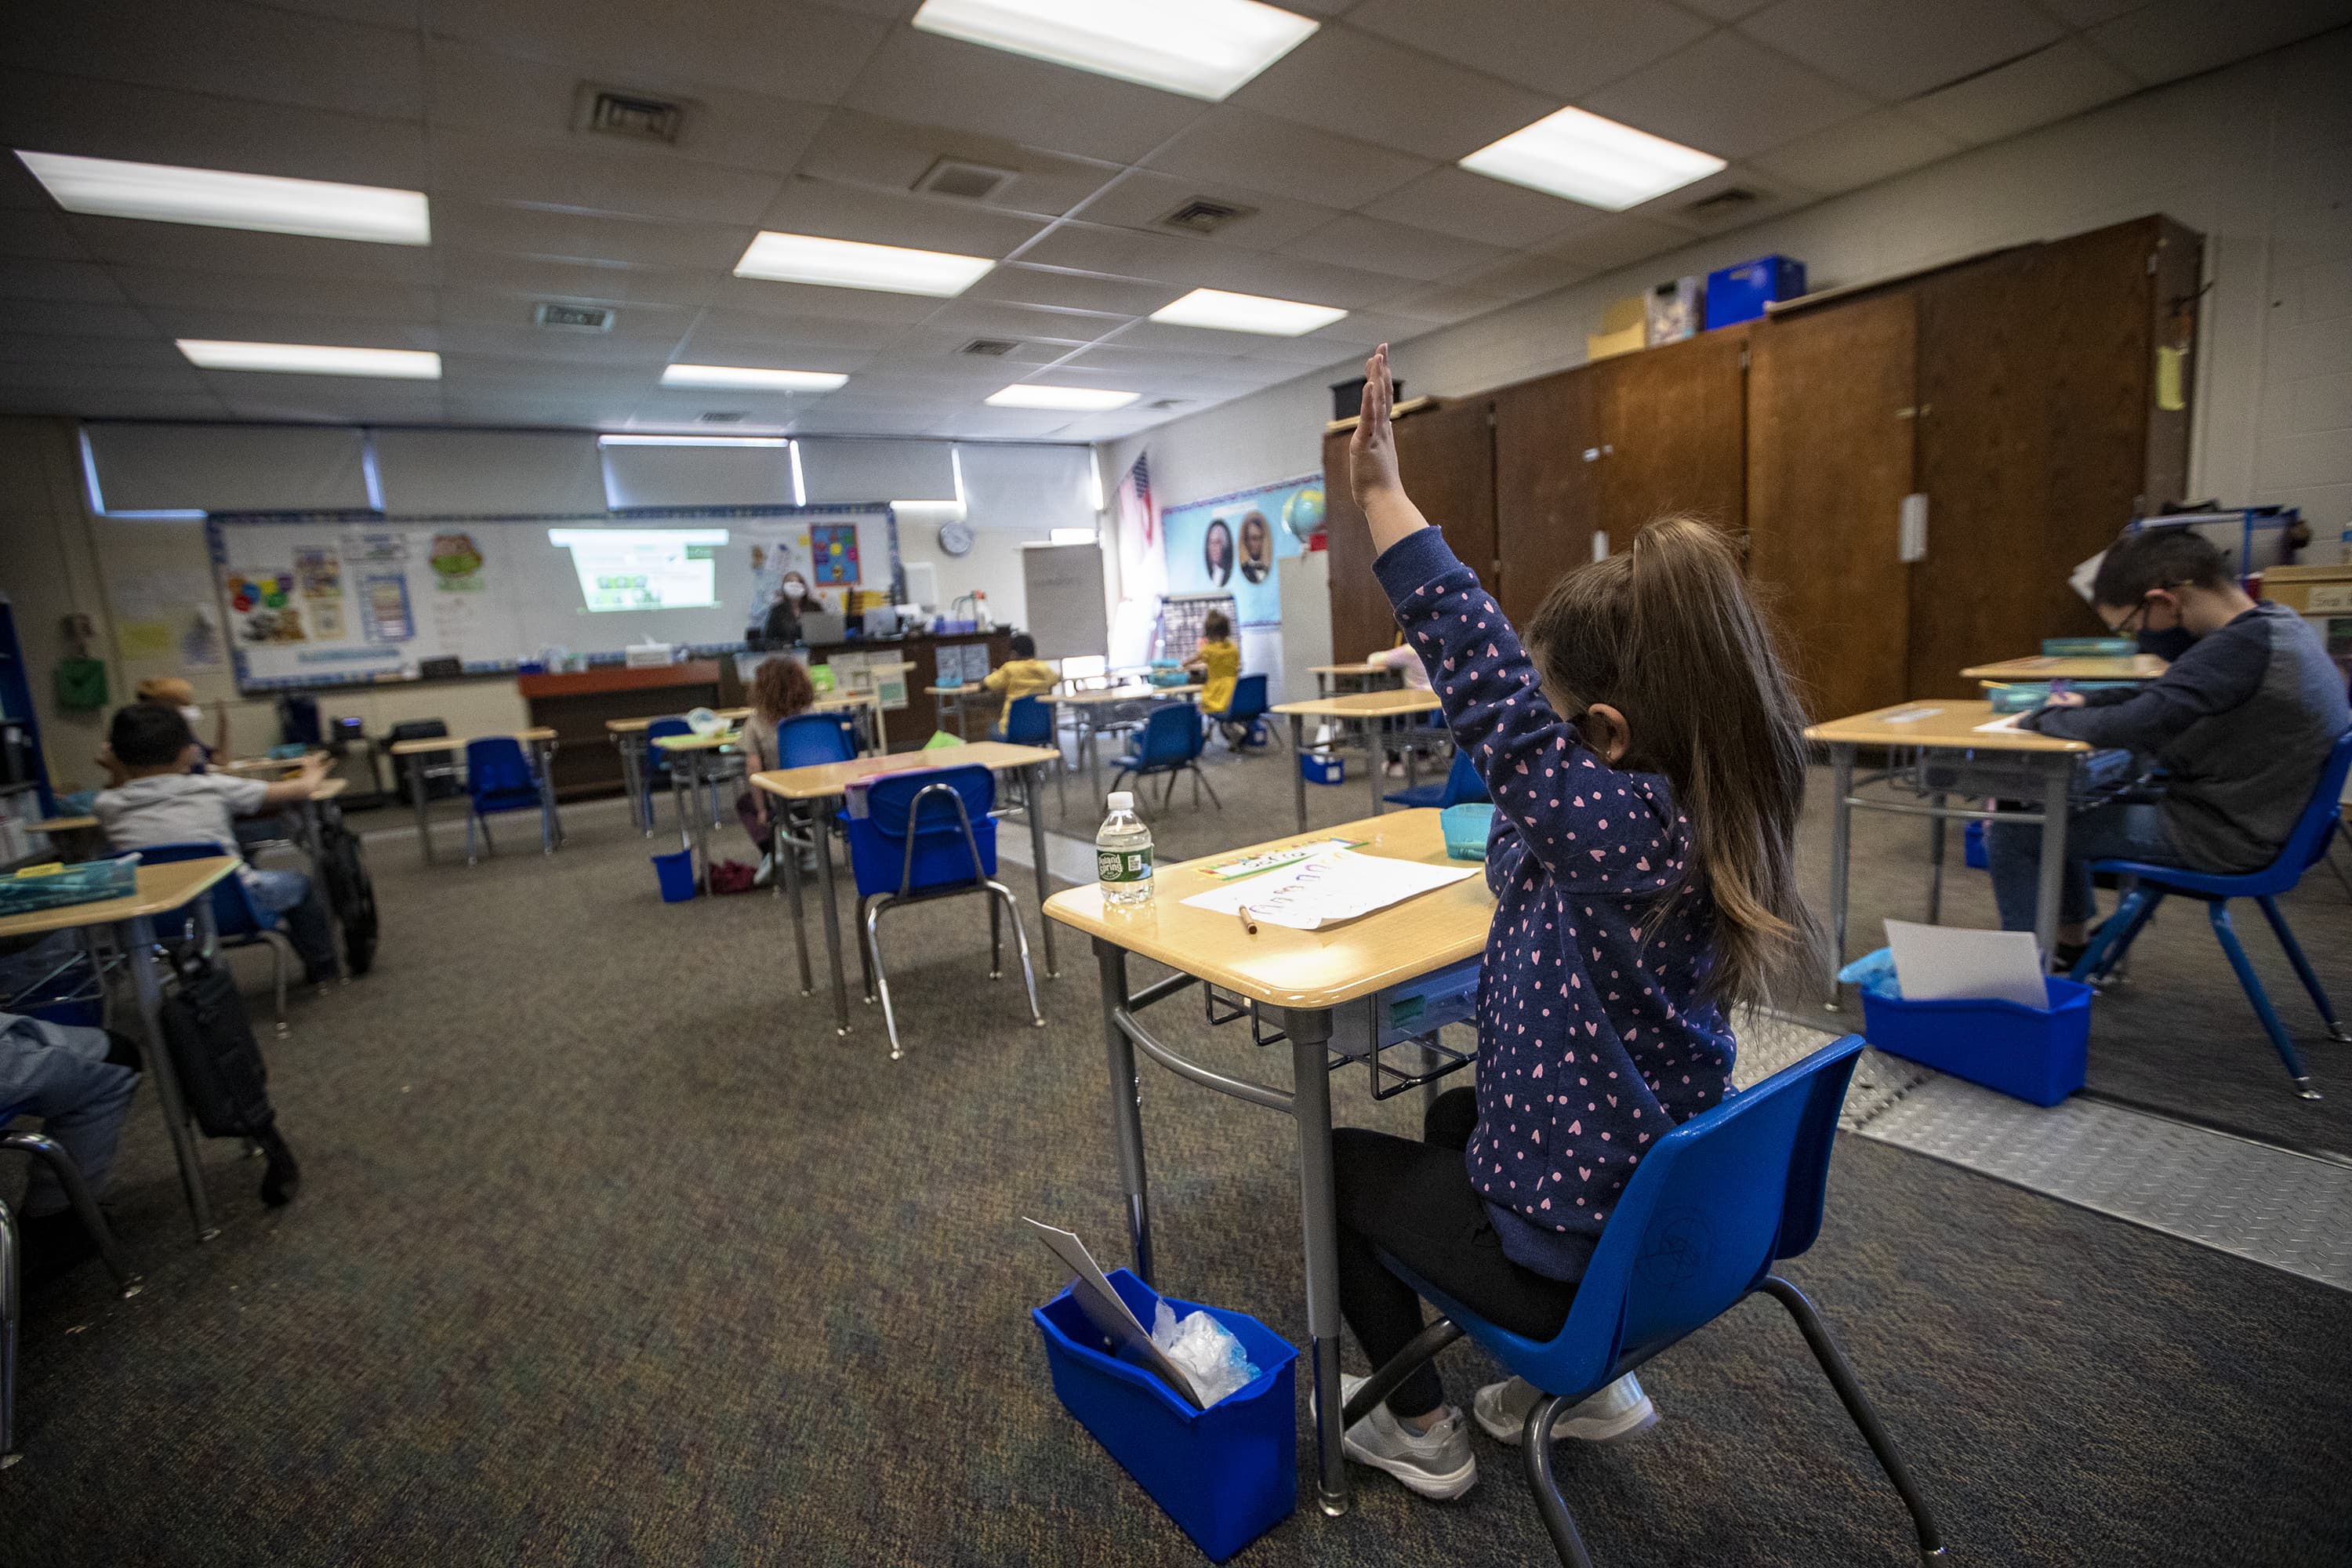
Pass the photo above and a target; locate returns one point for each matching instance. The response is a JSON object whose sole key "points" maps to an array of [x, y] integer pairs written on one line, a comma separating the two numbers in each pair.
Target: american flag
{"points": [[1135, 509]]}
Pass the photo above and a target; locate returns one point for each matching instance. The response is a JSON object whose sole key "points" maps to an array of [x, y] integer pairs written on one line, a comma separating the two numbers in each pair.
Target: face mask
{"points": [[794, 590], [195, 716], [2168, 644]]}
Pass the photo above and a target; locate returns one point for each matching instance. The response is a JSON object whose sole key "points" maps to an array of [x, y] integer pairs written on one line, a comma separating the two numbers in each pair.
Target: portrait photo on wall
{"points": [[1217, 554], [1257, 547], [1255, 531]]}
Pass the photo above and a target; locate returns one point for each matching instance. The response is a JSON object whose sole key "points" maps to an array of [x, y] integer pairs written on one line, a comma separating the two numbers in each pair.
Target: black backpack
{"points": [[223, 1079], [349, 890]]}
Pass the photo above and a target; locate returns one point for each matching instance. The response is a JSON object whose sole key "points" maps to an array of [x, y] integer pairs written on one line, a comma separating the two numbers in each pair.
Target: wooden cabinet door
{"points": [[1447, 458], [1547, 472], [1673, 425], [1829, 462], [1361, 621]]}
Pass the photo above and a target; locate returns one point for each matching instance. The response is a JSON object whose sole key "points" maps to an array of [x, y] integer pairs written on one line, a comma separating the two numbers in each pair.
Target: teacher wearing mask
{"points": [[781, 627]]}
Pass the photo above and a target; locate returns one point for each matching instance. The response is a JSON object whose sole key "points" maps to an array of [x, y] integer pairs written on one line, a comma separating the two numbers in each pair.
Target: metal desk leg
{"points": [[547, 783], [544, 762], [1840, 846], [1298, 768], [137, 938], [1310, 1035], [1126, 1106], [416, 793], [1094, 757], [633, 779], [1936, 862], [702, 784], [2057, 777], [787, 875], [824, 835], [1375, 759], [1411, 762], [1036, 771]]}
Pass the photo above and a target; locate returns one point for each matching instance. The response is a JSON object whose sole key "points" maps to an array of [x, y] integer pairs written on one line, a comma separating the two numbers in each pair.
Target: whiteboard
{"points": [[1064, 588], [332, 598]]}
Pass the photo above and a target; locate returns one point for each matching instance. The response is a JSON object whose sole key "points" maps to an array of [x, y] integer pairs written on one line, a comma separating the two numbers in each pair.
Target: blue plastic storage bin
{"points": [[677, 872], [1467, 827], [1972, 841], [1318, 769], [1740, 293], [1227, 1474], [2034, 1054]]}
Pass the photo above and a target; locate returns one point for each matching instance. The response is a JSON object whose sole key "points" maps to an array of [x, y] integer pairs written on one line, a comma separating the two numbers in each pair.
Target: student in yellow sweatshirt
{"points": [[1218, 662], [1023, 675]]}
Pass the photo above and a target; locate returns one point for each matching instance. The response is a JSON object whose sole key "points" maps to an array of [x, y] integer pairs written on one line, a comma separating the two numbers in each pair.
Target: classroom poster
{"points": [[834, 547], [1237, 544]]}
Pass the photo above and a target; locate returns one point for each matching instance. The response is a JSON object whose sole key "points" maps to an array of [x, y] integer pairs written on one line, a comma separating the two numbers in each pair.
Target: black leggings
{"points": [[1415, 1202]]}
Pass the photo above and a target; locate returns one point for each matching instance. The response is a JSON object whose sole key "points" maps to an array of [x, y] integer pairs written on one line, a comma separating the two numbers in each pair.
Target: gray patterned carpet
{"points": [[610, 1252]]}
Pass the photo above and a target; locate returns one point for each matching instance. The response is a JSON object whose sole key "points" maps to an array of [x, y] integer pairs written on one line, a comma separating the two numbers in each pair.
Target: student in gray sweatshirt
{"points": [[2240, 724]]}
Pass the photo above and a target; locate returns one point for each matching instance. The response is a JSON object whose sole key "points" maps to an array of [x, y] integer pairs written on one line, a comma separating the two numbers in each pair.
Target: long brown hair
{"points": [[1667, 635], [780, 688]]}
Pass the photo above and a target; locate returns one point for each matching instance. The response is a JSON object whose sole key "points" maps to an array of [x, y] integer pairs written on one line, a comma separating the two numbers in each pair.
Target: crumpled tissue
{"points": [[1206, 1350]]}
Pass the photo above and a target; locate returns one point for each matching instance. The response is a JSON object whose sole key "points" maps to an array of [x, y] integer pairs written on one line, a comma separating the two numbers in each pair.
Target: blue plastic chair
{"points": [[44, 1148], [498, 777], [1245, 713], [1169, 743], [808, 741], [1461, 787], [1028, 722], [237, 920], [928, 834], [1712, 1205], [2303, 850]]}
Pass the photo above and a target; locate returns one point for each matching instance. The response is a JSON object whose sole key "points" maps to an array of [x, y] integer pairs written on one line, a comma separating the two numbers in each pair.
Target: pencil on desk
{"points": [[1248, 924]]}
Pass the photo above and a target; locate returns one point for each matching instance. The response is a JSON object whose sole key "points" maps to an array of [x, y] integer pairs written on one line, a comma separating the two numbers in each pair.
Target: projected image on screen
{"points": [[644, 568]]}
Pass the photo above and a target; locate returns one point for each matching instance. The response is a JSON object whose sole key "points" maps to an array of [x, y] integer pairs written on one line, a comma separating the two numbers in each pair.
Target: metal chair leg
{"points": [[1200, 782], [995, 940], [2218, 911], [872, 942], [2303, 968], [1021, 944], [11, 1265], [1535, 1453], [864, 958], [1848, 1393], [470, 820], [43, 1147], [1419, 1350]]}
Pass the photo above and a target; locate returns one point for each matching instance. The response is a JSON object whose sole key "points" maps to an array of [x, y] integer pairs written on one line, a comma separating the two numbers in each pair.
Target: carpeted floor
{"points": [[611, 1252]]}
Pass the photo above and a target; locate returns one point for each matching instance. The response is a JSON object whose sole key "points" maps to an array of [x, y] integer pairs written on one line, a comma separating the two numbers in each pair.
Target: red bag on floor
{"points": [[732, 876]]}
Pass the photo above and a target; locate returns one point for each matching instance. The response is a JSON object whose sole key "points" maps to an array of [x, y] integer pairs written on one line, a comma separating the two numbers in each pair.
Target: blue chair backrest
{"points": [[233, 911], [1249, 700], [497, 776], [811, 740], [914, 817], [1171, 735], [2311, 836], [1029, 723], [1711, 1206], [1463, 784], [657, 760]]}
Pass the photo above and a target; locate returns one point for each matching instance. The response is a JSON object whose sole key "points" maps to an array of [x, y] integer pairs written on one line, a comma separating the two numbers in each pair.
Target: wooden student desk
{"points": [[1364, 675], [261, 767], [629, 739], [695, 764], [825, 784], [539, 742], [1366, 711], [1300, 977], [2059, 667], [1954, 758], [957, 699], [162, 890]]}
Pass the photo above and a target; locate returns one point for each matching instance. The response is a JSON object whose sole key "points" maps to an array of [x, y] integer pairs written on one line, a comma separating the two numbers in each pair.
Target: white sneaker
{"points": [[1615, 1413], [1436, 1463]]}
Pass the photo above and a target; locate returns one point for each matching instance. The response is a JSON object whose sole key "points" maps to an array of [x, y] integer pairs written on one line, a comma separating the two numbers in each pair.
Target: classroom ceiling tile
{"points": [[945, 344], [881, 217], [79, 319], [1522, 277], [1019, 283], [1727, 95], [1141, 198], [531, 278], [930, 80], [1899, 51], [224, 49], [460, 225], [2173, 38], [2046, 86], [970, 318], [647, 325], [1472, 207], [1399, 249], [790, 49], [513, 339], [1259, 151], [1732, 197], [1725, 10], [807, 299], [183, 379], [1861, 151], [1128, 253], [90, 403], [1623, 239], [32, 233], [84, 282], [1360, 86], [2089, 13], [719, 333], [1563, 47], [496, 169], [178, 289], [893, 156], [1282, 277], [387, 332], [187, 247], [153, 351], [1441, 304]]}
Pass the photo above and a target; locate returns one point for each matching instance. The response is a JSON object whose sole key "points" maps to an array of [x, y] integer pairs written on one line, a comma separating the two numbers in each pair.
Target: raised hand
{"points": [[1371, 451]]}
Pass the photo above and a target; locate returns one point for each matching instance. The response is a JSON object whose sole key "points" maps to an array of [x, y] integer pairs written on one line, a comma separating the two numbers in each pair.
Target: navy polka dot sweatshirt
{"points": [[1591, 1042]]}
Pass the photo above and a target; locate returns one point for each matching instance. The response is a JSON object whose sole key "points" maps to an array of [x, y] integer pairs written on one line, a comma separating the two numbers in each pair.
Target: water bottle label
{"points": [[1123, 866]]}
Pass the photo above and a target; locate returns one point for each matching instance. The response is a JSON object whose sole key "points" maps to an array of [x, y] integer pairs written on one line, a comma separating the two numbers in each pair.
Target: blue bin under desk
{"points": [[1317, 768], [2039, 1054], [1227, 1474]]}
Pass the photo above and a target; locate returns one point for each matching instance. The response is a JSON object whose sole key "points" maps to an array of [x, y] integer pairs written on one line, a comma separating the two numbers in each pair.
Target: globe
{"points": [[1302, 514]]}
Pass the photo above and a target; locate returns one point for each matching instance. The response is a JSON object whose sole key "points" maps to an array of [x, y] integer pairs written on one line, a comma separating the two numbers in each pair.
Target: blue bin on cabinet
{"points": [[1740, 293], [2035, 1054], [1227, 1474]]}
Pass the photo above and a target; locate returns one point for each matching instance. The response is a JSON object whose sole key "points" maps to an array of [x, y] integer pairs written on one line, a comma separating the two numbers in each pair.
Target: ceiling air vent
{"points": [[990, 348], [1724, 206], [609, 112], [1171, 403], [1201, 215], [719, 416], [573, 318], [965, 182]]}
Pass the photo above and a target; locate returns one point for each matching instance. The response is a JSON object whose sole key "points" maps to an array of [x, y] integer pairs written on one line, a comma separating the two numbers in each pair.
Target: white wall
{"points": [[2257, 157]]}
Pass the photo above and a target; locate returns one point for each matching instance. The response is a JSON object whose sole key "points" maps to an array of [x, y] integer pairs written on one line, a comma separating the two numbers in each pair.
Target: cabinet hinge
{"points": [[2151, 264], [1743, 356]]}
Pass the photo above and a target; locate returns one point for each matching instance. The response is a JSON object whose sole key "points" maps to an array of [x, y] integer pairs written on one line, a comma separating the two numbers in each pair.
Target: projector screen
{"points": [[644, 568]]}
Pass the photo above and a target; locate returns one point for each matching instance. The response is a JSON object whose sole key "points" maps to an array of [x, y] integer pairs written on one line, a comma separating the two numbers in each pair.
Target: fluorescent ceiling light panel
{"points": [[748, 376], [1590, 160], [691, 441], [1202, 48], [312, 359], [1077, 399], [104, 187], [850, 264], [1230, 312]]}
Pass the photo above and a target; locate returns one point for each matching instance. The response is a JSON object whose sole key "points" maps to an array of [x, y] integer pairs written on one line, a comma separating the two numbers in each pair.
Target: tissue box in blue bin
{"points": [[1317, 768], [1227, 1474], [2035, 1054], [1740, 293]]}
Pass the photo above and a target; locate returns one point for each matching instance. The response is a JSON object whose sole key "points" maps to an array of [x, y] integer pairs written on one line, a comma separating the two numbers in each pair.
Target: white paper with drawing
{"points": [[1327, 889]]}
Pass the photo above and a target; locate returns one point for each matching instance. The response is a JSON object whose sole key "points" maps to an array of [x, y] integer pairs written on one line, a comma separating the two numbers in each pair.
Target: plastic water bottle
{"points": [[1123, 854]]}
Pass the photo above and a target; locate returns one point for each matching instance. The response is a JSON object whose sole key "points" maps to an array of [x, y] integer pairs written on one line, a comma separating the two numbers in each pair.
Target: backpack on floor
{"points": [[213, 1052], [349, 891]]}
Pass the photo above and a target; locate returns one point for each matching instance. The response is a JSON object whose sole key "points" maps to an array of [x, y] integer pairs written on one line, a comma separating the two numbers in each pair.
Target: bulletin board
{"points": [[332, 598], [1236, 543]]}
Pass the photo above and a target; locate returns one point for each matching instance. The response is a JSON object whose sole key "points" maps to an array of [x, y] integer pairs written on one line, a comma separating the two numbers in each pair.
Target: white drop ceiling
{"points": [[822, 118]]}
